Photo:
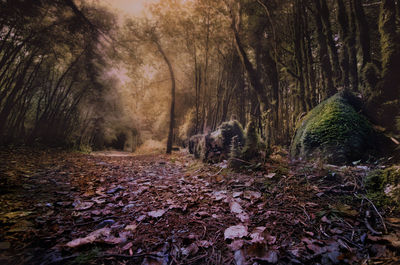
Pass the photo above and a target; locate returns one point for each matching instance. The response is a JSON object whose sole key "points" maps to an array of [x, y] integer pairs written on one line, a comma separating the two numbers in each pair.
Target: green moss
{"points": [[253, 142], [228, 131], [383, 186], [334, 130]]}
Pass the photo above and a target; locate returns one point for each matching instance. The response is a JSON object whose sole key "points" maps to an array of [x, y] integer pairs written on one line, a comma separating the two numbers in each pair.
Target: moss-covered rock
{"points": [[254, 145], [334, 131], [383, 186], [216, 146], [218, 143], [197, 145]]}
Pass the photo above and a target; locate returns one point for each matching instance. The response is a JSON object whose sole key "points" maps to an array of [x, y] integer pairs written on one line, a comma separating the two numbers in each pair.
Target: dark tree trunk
{"points": [[324, 12], [363, 31], [353, 69], [344, 37], [323, 55]]}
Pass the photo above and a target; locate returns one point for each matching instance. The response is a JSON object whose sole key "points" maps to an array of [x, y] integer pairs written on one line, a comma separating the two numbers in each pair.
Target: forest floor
{"points": [[115, 208]]}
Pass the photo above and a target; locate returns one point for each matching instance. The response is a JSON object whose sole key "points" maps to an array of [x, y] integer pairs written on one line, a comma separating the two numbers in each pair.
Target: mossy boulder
{"points": [[215, 146], [254, 144], [218, 143], [383, 186], [335, 132], [196, 145]]}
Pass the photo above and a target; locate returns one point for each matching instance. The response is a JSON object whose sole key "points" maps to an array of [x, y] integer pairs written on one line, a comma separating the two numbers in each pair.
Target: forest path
{"points": [[60, 208]]}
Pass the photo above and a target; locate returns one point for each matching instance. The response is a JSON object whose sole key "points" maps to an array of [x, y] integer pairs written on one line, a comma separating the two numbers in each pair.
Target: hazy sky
{"points": [[130, 7]]}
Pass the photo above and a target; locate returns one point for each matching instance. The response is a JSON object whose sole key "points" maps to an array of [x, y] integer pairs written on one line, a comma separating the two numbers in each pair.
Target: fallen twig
{"points": [[373, 231], [380, 216], [143, 255]]}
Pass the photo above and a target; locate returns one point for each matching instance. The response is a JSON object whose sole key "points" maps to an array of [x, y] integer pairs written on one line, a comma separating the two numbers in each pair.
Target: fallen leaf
{"points": [[271, 257], [325, 220], [104, 223], [235, 207], [204, 243], [237, 194], [236, 244], [190, 250], [238, 211], [393, 239], [83, 206], [156, 214], [92, 237], [239, 258], [131, 227], [236, 231], [17, 214], [21, 226], [270, 175], [393, 220], [250, 195], [256, 235], [127, 246]]}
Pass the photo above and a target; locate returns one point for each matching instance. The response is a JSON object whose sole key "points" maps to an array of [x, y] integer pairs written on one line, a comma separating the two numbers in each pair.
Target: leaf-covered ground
{"points": [[113, 208]]}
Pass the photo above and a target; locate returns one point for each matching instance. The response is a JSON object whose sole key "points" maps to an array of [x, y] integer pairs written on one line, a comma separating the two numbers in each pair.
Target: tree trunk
{"points": [[324, 12], [344, 37], [363, 31], [172, 111], [323, 55]]}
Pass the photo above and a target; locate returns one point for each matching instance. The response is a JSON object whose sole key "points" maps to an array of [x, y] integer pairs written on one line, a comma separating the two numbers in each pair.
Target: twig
{"points": [[380, 216], [214, 175], [96, 221], [240, 160], [129, 256], [373, 231]]}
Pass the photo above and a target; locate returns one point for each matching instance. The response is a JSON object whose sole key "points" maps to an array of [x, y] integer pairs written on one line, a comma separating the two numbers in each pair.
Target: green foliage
{"points": [[334, 130], [383, 186]]}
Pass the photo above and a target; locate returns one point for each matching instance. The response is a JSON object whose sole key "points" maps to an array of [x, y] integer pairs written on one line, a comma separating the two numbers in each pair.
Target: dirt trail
{"points": [[60, 208]]}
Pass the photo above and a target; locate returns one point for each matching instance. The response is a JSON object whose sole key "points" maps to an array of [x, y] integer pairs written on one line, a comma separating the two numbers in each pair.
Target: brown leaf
{"points": [[236, 231], [92, 237]]}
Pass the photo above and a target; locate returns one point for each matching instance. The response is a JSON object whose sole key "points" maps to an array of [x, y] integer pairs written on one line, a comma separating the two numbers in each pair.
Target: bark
{"points": [[172, 110], [323, 55], [353, 70], [363, 31], [251, 72], [344, 37], [324, 12]]}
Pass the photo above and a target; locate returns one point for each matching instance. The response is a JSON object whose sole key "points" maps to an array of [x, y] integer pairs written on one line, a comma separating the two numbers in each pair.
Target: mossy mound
{"points": [[383, 186], [254, 145], [334, 131], [215, 146]]}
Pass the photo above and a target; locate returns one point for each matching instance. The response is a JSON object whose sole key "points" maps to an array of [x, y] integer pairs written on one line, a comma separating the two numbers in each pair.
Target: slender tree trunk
{"points": [[172, 110], [324, 12], [363, 31], [353, 69], [323, 55]]}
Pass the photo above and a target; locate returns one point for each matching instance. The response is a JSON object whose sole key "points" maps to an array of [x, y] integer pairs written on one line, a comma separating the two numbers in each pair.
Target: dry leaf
{"points": [[92, 237], [236, 231], [156, 214]]}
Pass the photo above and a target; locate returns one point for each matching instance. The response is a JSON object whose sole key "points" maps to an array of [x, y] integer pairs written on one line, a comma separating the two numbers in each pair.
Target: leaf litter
{"points": [[57, 207]]}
